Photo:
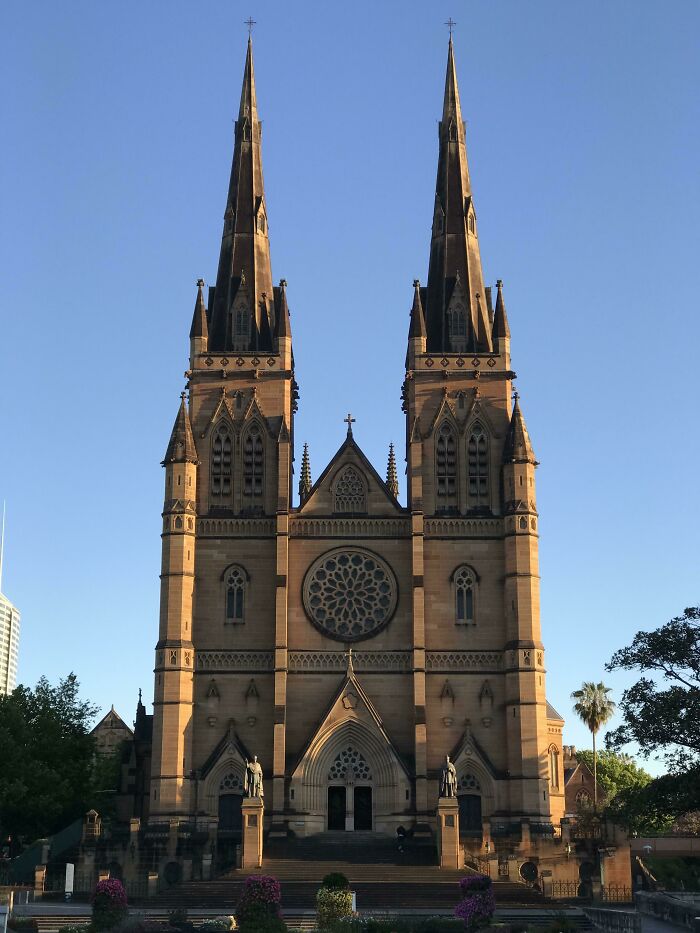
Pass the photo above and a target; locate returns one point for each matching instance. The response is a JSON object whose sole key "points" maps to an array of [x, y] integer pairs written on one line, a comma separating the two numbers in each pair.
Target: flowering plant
{"points": [[477, 905], [261, 894], [109, 904]]}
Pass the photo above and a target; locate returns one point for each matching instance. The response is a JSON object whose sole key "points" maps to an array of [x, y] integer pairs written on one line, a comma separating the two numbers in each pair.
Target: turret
{"points": [[416, 331], [501, 328], [172, 752]]}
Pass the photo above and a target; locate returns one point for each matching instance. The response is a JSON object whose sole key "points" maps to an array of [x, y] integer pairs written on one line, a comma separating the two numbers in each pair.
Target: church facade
{"points": [[347, 640]]}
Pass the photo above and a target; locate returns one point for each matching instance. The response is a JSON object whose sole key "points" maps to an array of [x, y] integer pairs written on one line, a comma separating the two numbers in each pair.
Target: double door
{"points": [[349, 808]]}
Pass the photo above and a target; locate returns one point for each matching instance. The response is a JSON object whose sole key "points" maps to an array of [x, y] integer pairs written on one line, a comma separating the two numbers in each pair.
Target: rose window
{"points": [[230, 782], [468, 784], [349, 764], [350, 594]]}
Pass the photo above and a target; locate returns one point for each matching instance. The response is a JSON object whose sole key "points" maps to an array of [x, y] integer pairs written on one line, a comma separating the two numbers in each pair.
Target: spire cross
{"points": [[348, 656], [349, 421], [450, 25], [250, 22]]}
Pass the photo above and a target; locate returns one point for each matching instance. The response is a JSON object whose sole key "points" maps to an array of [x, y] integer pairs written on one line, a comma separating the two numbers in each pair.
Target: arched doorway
{"points": [[349, 800], [469, 797], [230, 801]]}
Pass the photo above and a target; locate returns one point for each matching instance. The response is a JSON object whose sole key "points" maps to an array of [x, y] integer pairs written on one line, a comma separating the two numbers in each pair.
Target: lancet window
{"points": [[236, 583], [465, 593], [221, 458], [554, 766], [253, 462], [446, 467], [241, 328], [478, 464], [458, 329], [350, 496]]}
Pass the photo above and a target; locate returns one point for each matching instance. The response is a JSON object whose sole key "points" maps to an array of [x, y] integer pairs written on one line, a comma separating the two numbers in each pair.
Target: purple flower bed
{"points": [[261, 893], [478, 904], [109, 904]]}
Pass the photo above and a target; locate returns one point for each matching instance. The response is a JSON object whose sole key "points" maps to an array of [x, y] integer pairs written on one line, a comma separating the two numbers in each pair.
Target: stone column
{"points": [[448, 832], [152, 883], [253, 810], [39, 880]]}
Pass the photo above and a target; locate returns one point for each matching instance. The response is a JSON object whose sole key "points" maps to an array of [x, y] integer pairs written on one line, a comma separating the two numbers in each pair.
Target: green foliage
{"points": [[398, 925], [109, 904], [22, 924], [218, 924], [593, 706], [75, 928], [335, 879], [332, 904], [653, 808], [616, 772], [48, 758], [675, 874], [177, 916], [260, 920], [663, 719]]}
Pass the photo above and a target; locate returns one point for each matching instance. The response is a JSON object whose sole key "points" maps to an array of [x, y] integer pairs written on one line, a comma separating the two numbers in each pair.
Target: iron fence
{"points": [[616, 894]]}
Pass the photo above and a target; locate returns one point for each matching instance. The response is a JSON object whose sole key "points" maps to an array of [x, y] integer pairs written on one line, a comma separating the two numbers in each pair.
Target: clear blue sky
{"points": [[583, 142]]}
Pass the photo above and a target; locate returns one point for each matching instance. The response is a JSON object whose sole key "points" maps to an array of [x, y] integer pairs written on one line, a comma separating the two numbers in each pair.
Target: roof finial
{"points": [[305, 478], [250, 22], [392, 480], [349, 421], [348, 654], [450, 25]]}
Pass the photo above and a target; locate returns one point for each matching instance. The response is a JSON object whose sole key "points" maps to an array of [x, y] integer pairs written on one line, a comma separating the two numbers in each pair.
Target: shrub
{"points": [[218, 925], [477, 905], [109, 905], [332, 904], [177, 916], [335, 880], [74, 928], [260, 903], [22, 924]]}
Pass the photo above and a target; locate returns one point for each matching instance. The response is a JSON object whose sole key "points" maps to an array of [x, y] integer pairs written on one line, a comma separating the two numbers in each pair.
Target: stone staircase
{"points": [[382, 877]]}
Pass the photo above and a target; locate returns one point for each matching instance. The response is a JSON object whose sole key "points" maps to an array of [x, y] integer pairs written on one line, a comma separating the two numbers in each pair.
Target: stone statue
{"points": [[448, 779], [254, 778]]}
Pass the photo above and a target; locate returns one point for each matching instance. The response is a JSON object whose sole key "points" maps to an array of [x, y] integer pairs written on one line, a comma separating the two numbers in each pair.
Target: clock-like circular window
{"points": [[350, 594]]}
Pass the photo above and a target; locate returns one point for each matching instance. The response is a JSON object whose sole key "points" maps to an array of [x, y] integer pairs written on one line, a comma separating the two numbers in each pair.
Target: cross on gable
{"points": [[349, 421]]}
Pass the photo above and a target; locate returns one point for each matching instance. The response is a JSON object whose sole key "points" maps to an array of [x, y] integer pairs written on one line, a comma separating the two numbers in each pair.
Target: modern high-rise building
{"points": [[9, 632]]}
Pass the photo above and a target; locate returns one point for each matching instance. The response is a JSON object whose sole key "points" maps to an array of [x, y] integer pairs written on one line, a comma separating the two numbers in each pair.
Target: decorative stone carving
{"points": [[350, 594], [254, 778], [448, 779], [382, 661], [257, 661], [462, 660], [350, 764]]}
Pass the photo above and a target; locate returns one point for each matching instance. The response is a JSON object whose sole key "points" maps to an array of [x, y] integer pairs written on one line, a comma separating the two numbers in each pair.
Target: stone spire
{"points": [[391, 477], [500, 318], [518, 448], [455, 320], [243, 292], [284, 327], [199, 331], [181, 447], [417, 328], [305, 478]]}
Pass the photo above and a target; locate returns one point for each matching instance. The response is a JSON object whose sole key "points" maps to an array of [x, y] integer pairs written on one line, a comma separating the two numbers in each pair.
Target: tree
{"points": [[594, 708], [663, 719], [616, 772], [47, 762]]}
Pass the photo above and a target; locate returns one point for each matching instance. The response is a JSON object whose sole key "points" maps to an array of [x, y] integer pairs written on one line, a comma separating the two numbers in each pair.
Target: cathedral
{"points": [[346, 640]]}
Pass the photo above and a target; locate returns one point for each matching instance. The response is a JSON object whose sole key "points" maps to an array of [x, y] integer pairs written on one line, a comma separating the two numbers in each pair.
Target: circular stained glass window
{"points": [[350, 594]]}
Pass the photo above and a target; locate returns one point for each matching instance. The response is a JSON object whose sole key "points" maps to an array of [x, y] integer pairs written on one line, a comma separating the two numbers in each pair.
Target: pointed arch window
{"points": [[458, 329], [221, 458], [235, 584], [478, 464], [253, 462], [350, 496], [446, 467], [554, 766], [240, 327], [471, 224], [465, 584]]}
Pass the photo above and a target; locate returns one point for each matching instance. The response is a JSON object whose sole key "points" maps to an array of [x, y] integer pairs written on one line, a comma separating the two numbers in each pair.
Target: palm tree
{"points": [[594, 708]]}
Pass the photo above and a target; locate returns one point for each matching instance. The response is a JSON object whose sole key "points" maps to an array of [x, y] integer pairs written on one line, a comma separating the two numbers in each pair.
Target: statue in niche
{"points": [[254, 778], [448, 779]]}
